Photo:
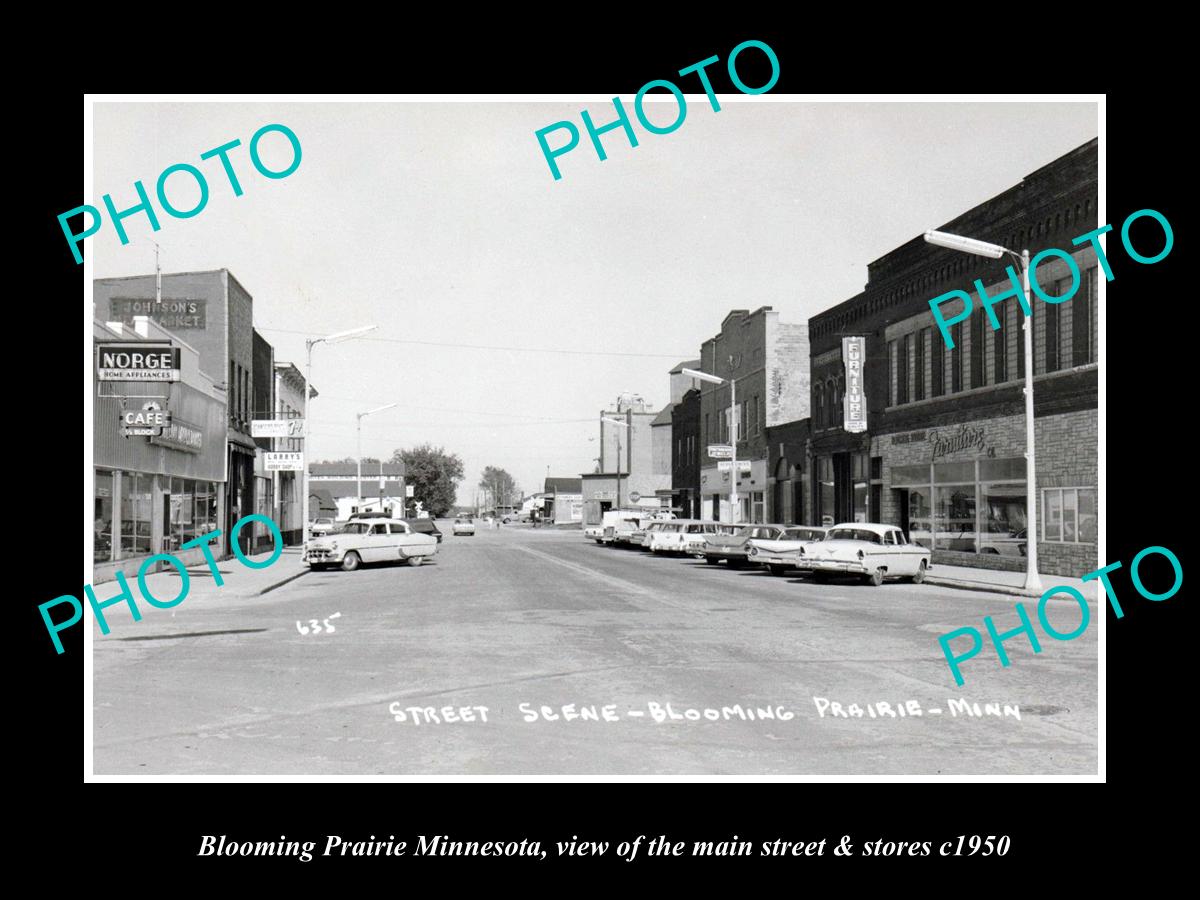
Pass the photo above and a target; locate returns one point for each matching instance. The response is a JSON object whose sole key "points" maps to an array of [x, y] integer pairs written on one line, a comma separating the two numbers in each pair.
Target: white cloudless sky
{"points": [[441, 223]]}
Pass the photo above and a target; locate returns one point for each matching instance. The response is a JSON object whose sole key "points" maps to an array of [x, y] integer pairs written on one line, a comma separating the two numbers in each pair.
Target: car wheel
{"points": [[920, 576], [711, 561], [415, 560], [351, 561], [776, 569], [875, 579]]}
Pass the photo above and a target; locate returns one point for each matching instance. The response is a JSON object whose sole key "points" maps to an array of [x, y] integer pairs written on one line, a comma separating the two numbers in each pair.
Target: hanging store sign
{"points": [[720, 451], [148, 421], [180, 435], [744, 466], [276, 428], [143, 361], [854, 351], [284, 461]]}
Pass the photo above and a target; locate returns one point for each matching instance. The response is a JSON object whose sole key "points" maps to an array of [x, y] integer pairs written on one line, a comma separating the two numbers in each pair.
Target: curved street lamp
{"points": [[1033, 581]]}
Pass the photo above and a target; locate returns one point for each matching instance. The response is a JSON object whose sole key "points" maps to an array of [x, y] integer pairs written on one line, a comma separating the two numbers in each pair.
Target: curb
{"points": [[277, 584], [976, 586]]}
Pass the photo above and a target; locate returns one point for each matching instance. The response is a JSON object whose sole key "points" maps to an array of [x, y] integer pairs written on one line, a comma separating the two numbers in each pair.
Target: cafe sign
{"points": [[854, 350], [148, 421], [142, 361]]}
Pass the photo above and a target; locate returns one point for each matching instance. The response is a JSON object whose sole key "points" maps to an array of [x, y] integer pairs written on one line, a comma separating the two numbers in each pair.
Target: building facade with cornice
{"points": [[943, 451]]}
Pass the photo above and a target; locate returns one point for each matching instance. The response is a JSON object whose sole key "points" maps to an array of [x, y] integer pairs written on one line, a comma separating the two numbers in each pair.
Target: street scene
{"points": [[228, 685], [732, 455]]}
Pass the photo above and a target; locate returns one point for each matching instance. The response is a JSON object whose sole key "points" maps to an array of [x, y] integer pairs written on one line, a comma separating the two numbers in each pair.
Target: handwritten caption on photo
{"points": [[443, 845], [221, 152], [1026, 626], [622, 120], [666, 712], [202, 542]]}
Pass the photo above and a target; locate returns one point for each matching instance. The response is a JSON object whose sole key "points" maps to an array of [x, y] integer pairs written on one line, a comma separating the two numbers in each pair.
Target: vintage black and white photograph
{"points": [[684, 434]]}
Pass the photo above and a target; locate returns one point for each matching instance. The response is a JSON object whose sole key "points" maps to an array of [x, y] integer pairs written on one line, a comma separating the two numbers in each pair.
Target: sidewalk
{"points": [[1013, 583], [240, 582]]}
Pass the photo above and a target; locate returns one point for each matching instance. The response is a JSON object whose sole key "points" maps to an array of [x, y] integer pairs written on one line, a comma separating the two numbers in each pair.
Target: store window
{"points": [[102, 503], [825, 510], [204, 509], [1000, 356], [136, 498], [183, 512], [859, 476], [969, 507], [901, 370], [1069, 515]]}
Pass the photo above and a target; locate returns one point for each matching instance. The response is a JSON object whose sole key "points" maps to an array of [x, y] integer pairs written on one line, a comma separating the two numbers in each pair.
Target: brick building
{"points": [[943, 453], [789, 467], [685, 461], [214, 314], [768, 360]]}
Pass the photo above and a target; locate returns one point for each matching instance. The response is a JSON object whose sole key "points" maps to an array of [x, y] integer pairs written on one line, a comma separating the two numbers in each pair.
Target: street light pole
{"points": [[733, 434], [308, 347], [359, 417], [1033, 581], [733, 439]]}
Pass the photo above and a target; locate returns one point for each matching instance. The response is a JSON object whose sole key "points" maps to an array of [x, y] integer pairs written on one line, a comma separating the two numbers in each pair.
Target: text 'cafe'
{"points": [[158, 449]]}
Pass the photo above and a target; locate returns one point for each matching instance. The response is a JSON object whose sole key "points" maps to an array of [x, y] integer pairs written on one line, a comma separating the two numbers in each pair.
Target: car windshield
{"points": [[854, 534], [764, 533], [355, 528]]}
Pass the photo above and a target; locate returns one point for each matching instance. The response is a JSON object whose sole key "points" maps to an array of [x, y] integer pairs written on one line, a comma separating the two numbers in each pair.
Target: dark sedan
{"points": [[733, 547]]}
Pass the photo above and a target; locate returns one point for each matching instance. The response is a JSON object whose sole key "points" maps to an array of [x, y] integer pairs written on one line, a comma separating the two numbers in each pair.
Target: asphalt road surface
{"points": [[522, 619]]}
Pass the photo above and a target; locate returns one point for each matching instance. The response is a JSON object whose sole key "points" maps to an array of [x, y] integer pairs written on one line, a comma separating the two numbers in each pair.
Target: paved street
{"points": [[545, 618]]}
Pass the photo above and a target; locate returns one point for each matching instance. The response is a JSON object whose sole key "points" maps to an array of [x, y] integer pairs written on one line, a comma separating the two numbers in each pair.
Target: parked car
{"points": [[369, 540], [733, 547], [323, 525], [869, 550], [425, 526], [681, 536], [463, 525], [641, 537], [594, 533], [783, 553]]}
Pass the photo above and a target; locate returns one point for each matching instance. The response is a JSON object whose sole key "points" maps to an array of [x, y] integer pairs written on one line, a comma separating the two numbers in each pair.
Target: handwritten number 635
{"points": [[315, 626]]}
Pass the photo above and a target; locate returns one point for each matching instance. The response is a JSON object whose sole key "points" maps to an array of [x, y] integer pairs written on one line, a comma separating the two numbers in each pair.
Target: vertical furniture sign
{"points": [[855, 403]]}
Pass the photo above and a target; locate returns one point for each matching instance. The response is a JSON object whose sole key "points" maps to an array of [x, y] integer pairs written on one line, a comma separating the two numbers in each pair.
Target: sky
{"points": [[511, 307]]}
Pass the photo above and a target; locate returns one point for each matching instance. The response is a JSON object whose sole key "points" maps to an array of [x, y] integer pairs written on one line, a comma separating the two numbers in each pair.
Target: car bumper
{"points": [[767, 559], [853, 567], [322, 557], [724, 554]]}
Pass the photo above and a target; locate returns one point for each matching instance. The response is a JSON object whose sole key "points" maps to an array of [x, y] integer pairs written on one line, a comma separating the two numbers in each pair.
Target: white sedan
{"points": [[783, 553], [463, 526], [370, 540], [869, 550]]}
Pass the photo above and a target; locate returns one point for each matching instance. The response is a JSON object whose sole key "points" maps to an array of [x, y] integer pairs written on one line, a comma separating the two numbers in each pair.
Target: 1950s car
{"points": [[734, 547], [367, 541], [869, 550], [783, 553], [464, 525]]}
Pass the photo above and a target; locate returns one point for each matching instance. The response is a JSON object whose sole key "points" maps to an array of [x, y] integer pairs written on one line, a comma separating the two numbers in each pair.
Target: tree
{"points": [[434, 475], [500, 485], [348, 461]]}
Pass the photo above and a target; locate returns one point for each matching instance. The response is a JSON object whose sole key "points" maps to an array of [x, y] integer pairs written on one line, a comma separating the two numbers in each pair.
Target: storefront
{"points": [[961, 490], [154, 492], [752, 492]]}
